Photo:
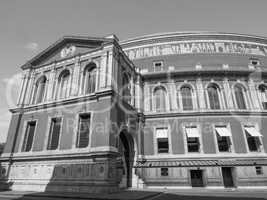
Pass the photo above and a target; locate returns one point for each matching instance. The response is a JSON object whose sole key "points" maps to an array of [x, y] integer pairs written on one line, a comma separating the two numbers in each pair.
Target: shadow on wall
{"points": [[96, 177]]}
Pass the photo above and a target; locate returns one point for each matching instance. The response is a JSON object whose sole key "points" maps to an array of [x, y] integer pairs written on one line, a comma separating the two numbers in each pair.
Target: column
{"points": [[253, 94], [228, 94], [200, 94]]}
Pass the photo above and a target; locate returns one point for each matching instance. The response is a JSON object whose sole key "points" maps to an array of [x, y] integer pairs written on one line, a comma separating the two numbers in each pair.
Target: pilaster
{"points": [[253, 93], [76, 77], [147, 98], [200, 93], [51, 84], [228, 94]]}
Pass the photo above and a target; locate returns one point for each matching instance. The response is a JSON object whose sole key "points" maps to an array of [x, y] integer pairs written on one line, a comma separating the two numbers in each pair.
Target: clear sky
{"points": [[29, 26]]}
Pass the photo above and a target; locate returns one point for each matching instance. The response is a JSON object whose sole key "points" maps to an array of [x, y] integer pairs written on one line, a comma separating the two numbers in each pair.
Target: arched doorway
{"points": [[127, 153]]}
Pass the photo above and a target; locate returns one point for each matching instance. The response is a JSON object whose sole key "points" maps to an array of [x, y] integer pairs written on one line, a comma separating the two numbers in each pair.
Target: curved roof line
{"points": [[185, 33]]}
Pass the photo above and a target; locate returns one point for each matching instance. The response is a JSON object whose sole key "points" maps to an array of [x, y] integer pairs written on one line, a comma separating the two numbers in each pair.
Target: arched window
{"points": [[63, 82], [240, 97], [263, 95], [187, 100], [39, 90], [160, 95], [213, 95], [126, 92], [90, 78]]}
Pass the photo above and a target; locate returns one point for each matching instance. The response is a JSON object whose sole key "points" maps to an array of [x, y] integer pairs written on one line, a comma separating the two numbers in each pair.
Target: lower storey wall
{"points": [[212, 177], [66, 175]]}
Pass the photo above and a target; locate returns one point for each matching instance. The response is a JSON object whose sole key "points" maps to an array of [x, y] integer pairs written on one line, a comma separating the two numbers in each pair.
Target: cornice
{"points": [[180, 36], [207, 113], [73, 100]]}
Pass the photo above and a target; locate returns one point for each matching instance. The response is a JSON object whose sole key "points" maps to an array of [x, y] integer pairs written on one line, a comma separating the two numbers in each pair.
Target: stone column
{"points": [[255, 104], [228, 94], [200, 93]]}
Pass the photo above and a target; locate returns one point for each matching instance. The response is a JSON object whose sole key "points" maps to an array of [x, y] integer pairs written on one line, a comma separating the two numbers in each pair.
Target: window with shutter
{"points": [[29, 135], [53, 139], [83, 131]]}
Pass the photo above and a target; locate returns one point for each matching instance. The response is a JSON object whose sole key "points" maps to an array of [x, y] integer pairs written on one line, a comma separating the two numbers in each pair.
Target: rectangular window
{"points": [[259, 170], [158, 66], [164, 171], [253, 138], [29, 135], [223, 138], [83, 131], [162, 140], [264, 105], [54, 133], [192, 138]]}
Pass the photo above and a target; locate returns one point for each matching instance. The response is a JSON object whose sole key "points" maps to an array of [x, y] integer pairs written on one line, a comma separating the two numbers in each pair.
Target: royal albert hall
{"points": [[170, 110]]}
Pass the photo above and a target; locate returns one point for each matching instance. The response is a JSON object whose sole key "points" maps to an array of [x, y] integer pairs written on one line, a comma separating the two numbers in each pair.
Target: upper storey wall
{"points": [[179, 50]]}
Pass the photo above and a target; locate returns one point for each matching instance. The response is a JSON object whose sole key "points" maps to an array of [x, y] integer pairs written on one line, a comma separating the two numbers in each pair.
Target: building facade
{"points": [[161, 111]]}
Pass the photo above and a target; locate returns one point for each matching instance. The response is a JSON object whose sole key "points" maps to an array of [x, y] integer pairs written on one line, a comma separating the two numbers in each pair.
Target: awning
{"points": [[253, 132], [201, 163], [223, 131], [162, 133], [192, 132]]}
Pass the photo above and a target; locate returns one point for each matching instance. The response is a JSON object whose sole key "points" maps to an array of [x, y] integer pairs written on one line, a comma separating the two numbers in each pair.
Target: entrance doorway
{"points": [[197, 178], [227, 173], [127, 151]]}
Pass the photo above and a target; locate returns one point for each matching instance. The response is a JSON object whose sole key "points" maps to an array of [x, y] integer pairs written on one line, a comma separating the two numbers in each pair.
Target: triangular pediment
{"points": [[68, 46]]}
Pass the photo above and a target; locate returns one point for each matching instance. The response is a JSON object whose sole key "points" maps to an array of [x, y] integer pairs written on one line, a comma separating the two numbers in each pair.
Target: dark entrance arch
{"points": [[128, 147]]}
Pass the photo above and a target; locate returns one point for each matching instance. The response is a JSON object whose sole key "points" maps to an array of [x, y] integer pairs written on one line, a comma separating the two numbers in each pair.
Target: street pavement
{"points": [[181, 194]]}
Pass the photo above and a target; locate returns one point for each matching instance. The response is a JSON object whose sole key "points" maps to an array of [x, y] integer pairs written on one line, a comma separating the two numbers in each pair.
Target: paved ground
{"points": [[187, 194]]}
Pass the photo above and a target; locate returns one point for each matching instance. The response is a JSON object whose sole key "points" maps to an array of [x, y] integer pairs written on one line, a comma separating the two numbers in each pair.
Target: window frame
{"points": [[75, 136], [50, 118], [245, 96], [59, 84], [200, 140], [156, 139], [260, 147], [162, 169], [262, 97], [259, 170], [193, 97], [215, 134], [88, 68], [167, 99], [24, 134], [219, 94], [161, 62], [36, 89]]}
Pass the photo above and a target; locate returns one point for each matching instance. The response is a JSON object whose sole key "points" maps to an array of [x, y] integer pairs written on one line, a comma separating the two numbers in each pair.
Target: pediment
{"points": [[66, 47]]}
